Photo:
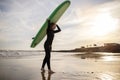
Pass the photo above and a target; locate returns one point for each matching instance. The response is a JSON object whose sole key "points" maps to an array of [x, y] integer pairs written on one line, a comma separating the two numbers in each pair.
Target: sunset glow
{"points": [[103, 24]]}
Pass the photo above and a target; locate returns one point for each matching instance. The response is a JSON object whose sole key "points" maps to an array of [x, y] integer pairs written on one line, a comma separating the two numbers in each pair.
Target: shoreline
{"points": [[22, 53], [72, 50]]}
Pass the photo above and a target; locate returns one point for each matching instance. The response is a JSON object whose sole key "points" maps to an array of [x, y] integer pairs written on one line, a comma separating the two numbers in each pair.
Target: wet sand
{"points": [[67, 66]]}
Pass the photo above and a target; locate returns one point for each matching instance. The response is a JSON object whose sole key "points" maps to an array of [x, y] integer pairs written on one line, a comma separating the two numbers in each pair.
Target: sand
{"points": [[67, 66]]}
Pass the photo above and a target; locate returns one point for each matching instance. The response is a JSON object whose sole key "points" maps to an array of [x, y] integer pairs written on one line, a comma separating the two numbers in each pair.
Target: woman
{"points": [[48, 45]]}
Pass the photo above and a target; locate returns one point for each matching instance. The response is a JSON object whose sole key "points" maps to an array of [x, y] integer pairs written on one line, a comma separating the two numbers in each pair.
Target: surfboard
{"points": [[54, 17]]}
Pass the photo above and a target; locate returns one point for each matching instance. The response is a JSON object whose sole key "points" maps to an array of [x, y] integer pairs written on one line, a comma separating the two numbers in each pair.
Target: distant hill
{"points": [[108, 47]]}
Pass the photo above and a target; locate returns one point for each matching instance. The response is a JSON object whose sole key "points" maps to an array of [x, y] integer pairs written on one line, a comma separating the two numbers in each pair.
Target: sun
{"points": [[103, 24]]}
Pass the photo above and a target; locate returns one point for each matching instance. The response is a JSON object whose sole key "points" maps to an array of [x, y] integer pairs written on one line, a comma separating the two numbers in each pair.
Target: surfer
{"points": [[48, 44]]}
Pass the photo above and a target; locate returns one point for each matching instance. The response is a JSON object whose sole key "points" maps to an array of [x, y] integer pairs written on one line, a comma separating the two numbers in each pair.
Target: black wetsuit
{"points": [[48, 44]]}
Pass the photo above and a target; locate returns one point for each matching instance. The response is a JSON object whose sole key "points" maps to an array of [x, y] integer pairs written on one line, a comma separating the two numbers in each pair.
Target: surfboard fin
{"points": [[33, 38]]}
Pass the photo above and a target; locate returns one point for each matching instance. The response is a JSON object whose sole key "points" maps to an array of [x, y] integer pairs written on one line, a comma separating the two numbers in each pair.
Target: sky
{"points": [[85, 22]]}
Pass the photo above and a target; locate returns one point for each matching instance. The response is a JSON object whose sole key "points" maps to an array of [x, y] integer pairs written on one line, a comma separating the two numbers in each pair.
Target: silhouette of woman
{"points": [[48, 44]]}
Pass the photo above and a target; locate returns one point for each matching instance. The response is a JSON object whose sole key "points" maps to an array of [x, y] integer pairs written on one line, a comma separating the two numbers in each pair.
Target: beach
{"points": [[67, 66]]}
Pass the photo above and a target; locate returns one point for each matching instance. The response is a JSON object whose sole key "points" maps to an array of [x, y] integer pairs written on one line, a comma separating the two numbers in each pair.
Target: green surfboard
{"points": [[54, 17]]}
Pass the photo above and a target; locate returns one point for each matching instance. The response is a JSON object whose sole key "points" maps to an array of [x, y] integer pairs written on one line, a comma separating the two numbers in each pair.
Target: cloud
{"points": [[21, 19]]}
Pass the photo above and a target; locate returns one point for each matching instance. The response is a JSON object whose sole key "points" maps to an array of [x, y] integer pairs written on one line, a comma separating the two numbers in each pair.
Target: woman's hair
{"points": [[51, 24]]}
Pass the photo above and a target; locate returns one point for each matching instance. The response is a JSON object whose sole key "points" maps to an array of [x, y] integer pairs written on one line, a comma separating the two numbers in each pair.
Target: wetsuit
{"points": [[48, 44]]}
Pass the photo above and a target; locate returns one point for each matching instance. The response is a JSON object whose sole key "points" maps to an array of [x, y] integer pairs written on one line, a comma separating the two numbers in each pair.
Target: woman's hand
{"points": [[47, 19]]}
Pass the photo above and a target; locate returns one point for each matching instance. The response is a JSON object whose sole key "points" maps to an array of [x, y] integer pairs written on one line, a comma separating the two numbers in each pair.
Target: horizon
{"points": [[84, 23], [81, 46]]}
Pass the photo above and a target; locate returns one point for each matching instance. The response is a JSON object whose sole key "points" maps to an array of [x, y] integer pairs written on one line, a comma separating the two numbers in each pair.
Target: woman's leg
{"points": [[46, 58], [48, 61]]}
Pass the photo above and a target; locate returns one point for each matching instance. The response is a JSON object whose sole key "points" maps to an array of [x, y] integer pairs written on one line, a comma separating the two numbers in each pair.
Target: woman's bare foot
{"points": [[50, 72], [42, 70]]}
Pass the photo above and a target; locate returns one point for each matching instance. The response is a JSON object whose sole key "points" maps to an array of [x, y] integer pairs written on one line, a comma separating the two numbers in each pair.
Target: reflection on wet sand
{"points": [[106, 77], [88, 55], [108, 58], [44, 77], [92, 55]]}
